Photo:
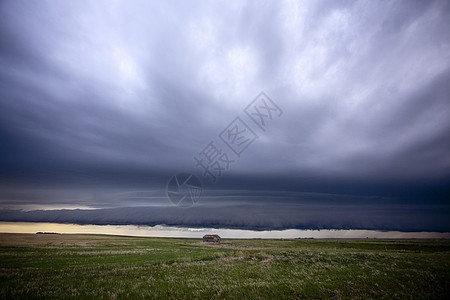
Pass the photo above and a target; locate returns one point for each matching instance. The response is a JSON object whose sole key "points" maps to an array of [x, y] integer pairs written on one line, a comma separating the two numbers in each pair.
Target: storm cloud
{"points": [[103, 101]]}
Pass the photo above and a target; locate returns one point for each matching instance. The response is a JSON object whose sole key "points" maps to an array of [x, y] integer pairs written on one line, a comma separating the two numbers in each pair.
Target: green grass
{"points": [[115, 267]]}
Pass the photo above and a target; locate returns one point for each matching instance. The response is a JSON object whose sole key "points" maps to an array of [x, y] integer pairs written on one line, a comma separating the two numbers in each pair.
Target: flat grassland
{"points": [[110, 267]]}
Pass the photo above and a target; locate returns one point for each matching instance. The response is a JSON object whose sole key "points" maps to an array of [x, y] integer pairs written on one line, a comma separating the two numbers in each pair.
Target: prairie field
{"points": [[119, 267]]}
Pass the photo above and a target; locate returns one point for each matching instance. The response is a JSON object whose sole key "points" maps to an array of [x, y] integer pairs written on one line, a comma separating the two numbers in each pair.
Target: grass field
{"points": [[110, 267]]}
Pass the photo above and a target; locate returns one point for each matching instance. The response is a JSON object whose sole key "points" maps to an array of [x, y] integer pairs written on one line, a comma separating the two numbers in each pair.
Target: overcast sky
{"points": [[103, 101]]}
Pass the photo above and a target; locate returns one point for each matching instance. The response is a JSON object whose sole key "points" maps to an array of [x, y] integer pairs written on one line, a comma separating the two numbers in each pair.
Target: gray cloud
{"points": [[101, 98]]}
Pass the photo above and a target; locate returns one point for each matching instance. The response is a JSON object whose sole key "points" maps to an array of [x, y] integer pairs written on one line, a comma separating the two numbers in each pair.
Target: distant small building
{"points": [[212, 238]]}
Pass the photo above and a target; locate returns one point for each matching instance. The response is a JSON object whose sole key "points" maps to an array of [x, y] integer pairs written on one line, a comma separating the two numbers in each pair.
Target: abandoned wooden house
{"points": [[214, 238]]}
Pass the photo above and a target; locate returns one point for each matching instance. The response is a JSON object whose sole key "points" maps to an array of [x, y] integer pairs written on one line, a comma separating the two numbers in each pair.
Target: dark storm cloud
{"points": [[306, 212], [101, 101]]}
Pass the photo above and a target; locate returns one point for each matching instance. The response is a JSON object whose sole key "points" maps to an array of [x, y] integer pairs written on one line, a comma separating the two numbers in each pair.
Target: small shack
{"points": [[211, 238]]}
